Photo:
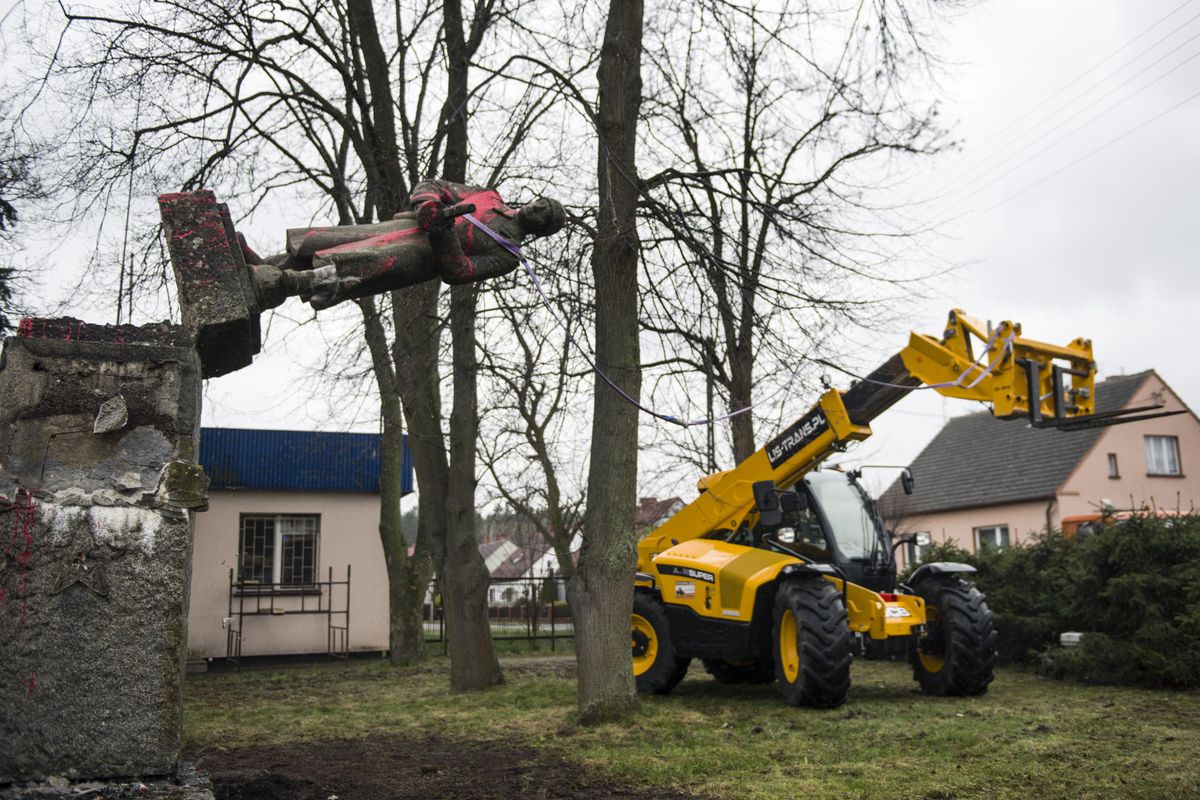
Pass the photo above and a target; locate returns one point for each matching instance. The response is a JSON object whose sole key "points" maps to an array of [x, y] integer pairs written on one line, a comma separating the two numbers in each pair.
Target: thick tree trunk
{"points": [[741, 373], [380, 152], [415, 354], [473, 663], [406, 587], [407, 575], [601, 590]]}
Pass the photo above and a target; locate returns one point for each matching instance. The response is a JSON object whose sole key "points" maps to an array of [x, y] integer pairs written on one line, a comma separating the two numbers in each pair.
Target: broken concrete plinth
{"points": [[217, 298], [98, 480]]}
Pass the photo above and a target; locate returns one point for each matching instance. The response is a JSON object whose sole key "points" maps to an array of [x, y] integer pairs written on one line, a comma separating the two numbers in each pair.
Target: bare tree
{"points": [[758, 217], [762, 240], [473, 663], [329, 105], [601, 592], [535, 374]]}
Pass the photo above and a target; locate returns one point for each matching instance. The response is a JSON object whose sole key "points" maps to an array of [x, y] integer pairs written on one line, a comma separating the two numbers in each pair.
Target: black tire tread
{"points": [[969, 637], [824, 640], [668, 669]]}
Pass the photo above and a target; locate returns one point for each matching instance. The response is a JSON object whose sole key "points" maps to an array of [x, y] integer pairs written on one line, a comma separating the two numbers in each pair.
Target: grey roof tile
{"points": [[978, 460]]}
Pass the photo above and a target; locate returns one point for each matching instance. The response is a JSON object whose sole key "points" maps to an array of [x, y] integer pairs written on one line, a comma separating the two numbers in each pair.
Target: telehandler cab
{"points": [[775, 567]]}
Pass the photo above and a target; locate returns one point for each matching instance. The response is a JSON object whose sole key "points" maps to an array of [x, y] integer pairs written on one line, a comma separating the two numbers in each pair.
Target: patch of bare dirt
{"points": [[390, 767]]}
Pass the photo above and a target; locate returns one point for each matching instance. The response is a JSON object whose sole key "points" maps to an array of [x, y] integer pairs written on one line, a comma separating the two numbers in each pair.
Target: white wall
{"points": [[349, 535]]}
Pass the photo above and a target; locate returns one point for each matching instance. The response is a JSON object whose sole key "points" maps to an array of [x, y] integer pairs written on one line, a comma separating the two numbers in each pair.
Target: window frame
{"points": [[1114, 468], [276, 586], [1001, 526], [1147, 440]]}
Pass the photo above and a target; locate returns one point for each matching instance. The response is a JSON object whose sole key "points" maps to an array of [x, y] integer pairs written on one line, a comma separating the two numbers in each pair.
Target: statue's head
{"points": [[542, 217]]}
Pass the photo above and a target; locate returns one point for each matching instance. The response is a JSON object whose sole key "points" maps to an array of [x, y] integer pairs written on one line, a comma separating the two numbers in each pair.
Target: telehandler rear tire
{"points": [[812, 643], [656, 668], [958, 656], [760, 670]]}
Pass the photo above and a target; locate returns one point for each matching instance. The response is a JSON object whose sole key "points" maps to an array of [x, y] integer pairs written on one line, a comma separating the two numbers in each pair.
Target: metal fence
{"points": [[519, 609]]}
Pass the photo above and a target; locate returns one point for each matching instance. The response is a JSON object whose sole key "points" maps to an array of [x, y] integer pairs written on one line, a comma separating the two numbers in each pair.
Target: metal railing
{"points": [[249, 599], [519, 610]]}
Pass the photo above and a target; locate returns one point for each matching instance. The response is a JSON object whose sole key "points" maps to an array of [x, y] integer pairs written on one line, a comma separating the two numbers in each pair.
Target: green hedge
{"points": [[1133, 589]]}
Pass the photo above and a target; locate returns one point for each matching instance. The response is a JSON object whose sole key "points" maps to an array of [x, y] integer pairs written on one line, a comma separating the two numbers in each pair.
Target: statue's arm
{"points": [[437, 219], [437, 204]]}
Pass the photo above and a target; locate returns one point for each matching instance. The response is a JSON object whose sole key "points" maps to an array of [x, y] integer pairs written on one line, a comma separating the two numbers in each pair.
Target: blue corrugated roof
{"points": [[306, 461]]}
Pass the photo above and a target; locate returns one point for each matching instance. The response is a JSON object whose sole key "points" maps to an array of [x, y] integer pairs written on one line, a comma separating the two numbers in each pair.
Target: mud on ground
{"points": [[390, 767]]}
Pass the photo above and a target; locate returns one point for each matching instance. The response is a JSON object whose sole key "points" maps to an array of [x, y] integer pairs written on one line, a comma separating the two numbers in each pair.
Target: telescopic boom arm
{"points": [[1051, 385]]}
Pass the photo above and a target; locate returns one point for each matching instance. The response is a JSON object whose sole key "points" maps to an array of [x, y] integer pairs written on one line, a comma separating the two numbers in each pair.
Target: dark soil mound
{"points": [[396, 767]]}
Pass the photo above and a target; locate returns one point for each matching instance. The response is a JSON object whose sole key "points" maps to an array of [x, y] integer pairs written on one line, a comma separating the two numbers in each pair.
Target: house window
{"points": [[993, 536], [280, 549], [1162, 455], [916, 552], [1113, 472]]}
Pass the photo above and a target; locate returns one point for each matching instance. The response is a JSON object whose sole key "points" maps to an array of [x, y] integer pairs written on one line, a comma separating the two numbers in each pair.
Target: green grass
{"points": [[1028, 737]]}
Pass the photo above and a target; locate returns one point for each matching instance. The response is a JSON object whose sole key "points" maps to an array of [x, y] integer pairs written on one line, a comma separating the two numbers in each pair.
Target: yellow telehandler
{"points": [[775, 568]]}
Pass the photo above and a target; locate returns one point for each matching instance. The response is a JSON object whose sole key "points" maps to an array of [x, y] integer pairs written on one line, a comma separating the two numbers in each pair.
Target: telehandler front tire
{"points": [[958, 656], [760, 670], [656, 668], [812, 643]]}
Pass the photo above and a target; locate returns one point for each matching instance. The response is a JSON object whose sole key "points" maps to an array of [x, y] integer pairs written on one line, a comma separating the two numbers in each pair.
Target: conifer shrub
{"points": [[1132, 589], [1135, 594], [1024, 585]]}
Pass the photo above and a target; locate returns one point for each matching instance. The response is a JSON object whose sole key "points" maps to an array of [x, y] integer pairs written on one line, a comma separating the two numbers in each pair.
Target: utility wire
{"points": [[9, 13], [975, 190], [1089, 154], [986, 157], [1096, 66]]}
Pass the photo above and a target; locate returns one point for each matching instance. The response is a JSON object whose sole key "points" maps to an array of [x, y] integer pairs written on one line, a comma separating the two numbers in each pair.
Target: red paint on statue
{"points": [[382, 240], [486, 201]]}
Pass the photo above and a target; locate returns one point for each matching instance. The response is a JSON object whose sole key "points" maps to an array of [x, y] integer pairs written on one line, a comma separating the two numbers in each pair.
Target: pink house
{"points": [[984, 482]]}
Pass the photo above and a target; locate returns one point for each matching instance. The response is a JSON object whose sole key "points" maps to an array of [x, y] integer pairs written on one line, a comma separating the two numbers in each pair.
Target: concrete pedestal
{"points": [[98, 482]]}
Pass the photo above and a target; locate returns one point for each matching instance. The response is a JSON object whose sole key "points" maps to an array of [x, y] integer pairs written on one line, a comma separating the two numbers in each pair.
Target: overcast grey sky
{"points": [[1054, 226]]}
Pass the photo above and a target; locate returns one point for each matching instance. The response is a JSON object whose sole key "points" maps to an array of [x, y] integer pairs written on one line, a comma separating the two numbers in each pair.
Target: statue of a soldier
{"points": [[452, 231], [434, 239]]}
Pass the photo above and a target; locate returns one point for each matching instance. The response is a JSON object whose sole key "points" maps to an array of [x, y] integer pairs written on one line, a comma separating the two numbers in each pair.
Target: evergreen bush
{"points": [[1133, 589], [1024, 585], [1135, 594]]}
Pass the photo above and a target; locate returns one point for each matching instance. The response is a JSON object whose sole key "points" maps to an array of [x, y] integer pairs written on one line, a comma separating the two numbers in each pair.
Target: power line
{"points": [[977, 189], [1089, 154], [9, 13], [1094, 67], [986, 157]]}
